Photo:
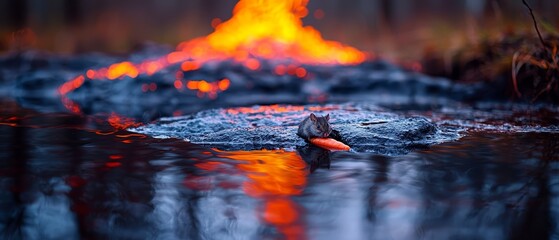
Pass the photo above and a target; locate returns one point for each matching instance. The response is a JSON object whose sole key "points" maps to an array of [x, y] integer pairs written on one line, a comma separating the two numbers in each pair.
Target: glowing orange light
{"points": [[265, 50], [204, 86], [178, 84], [176, 57], [291, 69], [209, 89], [277, 26], [189, 66], [271, 109], [252, 64], [71, 85], [119, 122], [300, 72], [301, 11], [224, 84], [275, 176], [70, 105], [258, 29], [122, 69], [192, 85], [275, 172], [208, 166], [280, 212], [90, 74], [280, 69], [152, 67]]}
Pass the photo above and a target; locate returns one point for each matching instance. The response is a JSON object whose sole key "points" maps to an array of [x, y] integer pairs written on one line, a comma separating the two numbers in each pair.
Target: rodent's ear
{"points": [[313, 117], [327, 117]]}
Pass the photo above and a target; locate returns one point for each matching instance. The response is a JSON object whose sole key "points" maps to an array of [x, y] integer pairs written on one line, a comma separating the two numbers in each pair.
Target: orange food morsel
{"points": [[330, 144]]}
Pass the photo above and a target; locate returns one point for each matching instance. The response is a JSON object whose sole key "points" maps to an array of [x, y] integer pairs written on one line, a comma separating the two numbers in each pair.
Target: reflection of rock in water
{"points": [[34, 201], [315, 157], [48, 215], [215, 213], [169, 208], [274, 127]]}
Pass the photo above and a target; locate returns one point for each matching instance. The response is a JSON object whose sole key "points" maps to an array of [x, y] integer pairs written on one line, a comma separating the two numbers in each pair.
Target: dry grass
{"points": [[535, 72]]}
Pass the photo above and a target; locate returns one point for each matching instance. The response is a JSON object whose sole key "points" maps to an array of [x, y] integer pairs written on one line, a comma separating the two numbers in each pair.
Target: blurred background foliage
{"points": [[402, 29]]}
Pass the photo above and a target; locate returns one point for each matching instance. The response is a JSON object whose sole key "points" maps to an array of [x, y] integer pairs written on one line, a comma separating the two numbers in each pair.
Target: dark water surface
{"points": [[64, 176]]}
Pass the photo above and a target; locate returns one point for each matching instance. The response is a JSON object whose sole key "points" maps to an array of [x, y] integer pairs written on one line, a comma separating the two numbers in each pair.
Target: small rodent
{"points": [[314, 126]]}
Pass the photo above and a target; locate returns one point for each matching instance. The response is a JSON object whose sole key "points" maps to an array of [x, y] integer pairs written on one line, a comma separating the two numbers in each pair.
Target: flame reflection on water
{"points": [[274, 176]]}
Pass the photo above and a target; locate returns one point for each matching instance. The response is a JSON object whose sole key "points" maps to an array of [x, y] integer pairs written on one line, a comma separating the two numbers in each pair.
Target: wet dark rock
{"points": [[375, 81], [500, 117], [326, 84], [315, 157], [364, 128]]}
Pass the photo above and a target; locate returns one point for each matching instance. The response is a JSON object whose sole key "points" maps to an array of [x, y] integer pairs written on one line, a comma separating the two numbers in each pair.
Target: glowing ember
{"points": [[189, 66], [301, 72], [259, 29], [252, 64], [113, 164], [120, 122], [71, 105], [280, 69], [122, 69], [209, 88], [71, 85], [178, 84], [274, 109]]}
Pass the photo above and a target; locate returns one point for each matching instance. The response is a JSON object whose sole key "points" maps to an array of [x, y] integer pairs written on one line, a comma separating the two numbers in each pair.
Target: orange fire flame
{"points": [[259, 29], [271, 29]]}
